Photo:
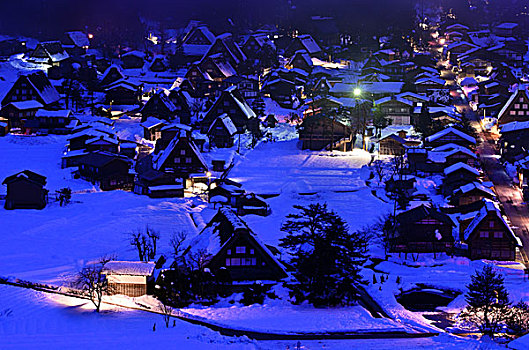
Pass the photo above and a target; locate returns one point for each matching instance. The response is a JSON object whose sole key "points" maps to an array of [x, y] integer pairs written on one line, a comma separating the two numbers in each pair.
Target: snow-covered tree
{"points": [[93, 283], [326, 256], [488, 301]]}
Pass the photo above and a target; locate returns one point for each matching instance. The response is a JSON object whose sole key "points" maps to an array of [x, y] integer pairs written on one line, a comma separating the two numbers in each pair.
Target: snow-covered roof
{"points": [[489, 207], [63, 113], [453, 130], [243, 105], [459, 166], [459, 43], [79, 39], [309, 43], [468, 81], [159, 159], [23, 105], [133, 268], [429, 80], [393, 98], [408, 94], [228, 123], [475, 186], [39, 81], [135, 53], [521, 89], [450, 147], [507, 25], [514, 126], [151, 122]]}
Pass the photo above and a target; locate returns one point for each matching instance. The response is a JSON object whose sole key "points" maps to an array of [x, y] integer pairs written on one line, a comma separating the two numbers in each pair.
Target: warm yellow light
{"points": [[208, 174], [442, 41], [357, 92], [90, 36]]}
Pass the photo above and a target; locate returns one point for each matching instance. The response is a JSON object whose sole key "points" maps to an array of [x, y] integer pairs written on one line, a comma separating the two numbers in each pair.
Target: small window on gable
{"points": [[228, 252], [484, 234], [498, 234], [491, 223], [520, 99], [240, 250], [183, 152], [252, 252]]}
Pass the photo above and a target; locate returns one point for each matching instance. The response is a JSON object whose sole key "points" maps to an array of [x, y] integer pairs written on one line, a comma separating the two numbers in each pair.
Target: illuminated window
{"points": [[484, 234], [240, 250], [252, 252], [188, 160], [228, 252], [491, 223], [498, 234]]}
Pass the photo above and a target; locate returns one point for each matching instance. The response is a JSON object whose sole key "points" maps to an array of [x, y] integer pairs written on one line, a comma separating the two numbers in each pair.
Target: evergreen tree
{"points": [[326, 257], [379, 120], [488, 301]]}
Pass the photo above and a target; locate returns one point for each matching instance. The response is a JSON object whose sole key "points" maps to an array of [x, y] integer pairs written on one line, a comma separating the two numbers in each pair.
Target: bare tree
{"points": [[380, 170], [167, 313], [93, 283], [145, 242], [177, 244]]}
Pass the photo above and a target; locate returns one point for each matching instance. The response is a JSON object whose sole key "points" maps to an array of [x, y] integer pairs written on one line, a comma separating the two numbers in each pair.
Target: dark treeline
{"points": [[49, 18], [128, 20]]}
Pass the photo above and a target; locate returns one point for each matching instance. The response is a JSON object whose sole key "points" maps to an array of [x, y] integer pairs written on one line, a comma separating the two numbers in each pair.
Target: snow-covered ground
{"points": [[31, 320]]}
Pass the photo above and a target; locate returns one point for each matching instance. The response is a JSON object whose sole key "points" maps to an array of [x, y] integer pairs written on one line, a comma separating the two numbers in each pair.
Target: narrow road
{"points": [[508, 194]]}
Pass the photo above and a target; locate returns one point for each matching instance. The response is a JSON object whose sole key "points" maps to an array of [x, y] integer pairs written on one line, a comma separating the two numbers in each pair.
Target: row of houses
{"points": [[473, 224]]}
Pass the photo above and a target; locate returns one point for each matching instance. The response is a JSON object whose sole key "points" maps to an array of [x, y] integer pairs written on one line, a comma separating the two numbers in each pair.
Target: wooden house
{"points": [[133, 60], [228, 48], [222, 131], [450, 135], [281, 91], [25, 190], [396, 109], [258, 45], [111, 75], [454, 50], [250, 203], [240, 251], [234, 104], [159, 106], [33, 87], [182, 101], [248, 87], [108, 170], [423, 229], [458, 175], [49, 52], [102, 143], [76, 43], [392, 145], [429, 85], [79, 140], [451, 154], [318, 132], [514, 140], [300, 60], [131, 278], [152, 128], [217, 67], [169, 132], [489, 236], [123, 92], [197, 42], [54, 122], [470, 194], [181, 157], [158, 64], [225, 192], [516, 108], [16, 113], [304, 42], [156, 184]]}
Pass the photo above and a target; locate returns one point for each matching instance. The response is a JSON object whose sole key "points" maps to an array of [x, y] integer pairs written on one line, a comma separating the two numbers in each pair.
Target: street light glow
{"points": [[357, 92]]}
